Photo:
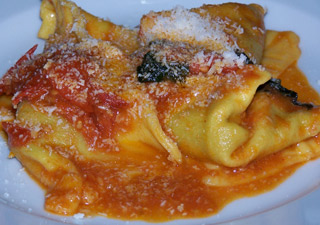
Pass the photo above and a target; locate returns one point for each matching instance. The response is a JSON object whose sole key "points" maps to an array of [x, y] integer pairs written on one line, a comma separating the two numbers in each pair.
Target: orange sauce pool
{"points": [[179, 194]]}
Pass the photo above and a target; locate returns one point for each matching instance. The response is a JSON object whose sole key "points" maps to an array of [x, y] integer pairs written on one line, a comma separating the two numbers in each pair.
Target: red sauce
{"points": [[18, 136], [149, 187], [79, 100]]}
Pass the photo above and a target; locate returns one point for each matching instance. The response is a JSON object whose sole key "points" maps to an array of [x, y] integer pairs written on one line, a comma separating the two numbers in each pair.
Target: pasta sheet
{"points": [[78, 111]]}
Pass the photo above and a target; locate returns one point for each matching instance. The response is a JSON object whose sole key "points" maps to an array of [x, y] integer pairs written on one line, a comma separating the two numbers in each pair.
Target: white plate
{"points": [[21, 200]]}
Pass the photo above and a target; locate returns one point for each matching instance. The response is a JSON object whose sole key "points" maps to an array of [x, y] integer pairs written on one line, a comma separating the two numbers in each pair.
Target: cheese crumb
{"points": [[187, 26]]}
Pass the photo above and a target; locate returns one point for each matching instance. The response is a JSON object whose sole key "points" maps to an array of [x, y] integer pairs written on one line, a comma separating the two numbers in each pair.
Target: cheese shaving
{"points": [[186, 26]]}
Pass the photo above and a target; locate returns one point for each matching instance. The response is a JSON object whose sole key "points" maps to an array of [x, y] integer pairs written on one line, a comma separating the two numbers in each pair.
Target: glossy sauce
{"points": [[150, 187]]}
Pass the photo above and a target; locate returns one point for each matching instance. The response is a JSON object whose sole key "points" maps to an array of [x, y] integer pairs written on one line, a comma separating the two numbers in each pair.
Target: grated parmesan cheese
{"points": [[49, 109], [186, 26]]}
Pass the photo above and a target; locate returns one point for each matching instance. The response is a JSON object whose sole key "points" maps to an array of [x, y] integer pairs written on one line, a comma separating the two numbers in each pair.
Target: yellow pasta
{"points": [[161, 122], [65, 18]]}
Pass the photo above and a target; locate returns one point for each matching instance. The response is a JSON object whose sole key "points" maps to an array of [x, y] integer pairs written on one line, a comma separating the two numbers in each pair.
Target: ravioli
{"points": [[158, 123], [229, 26]]}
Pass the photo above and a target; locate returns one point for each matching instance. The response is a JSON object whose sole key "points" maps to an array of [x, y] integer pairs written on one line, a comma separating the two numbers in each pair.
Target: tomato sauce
{"points": [[148, 188]]}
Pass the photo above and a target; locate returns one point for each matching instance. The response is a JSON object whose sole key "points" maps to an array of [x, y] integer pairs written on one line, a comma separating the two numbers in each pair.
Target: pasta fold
{"points": [[162, 121], [66, 18]]}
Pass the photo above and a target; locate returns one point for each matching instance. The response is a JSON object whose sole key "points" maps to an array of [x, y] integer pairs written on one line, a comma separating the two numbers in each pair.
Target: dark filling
{"points": [[275, 84], [152, 70]]}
